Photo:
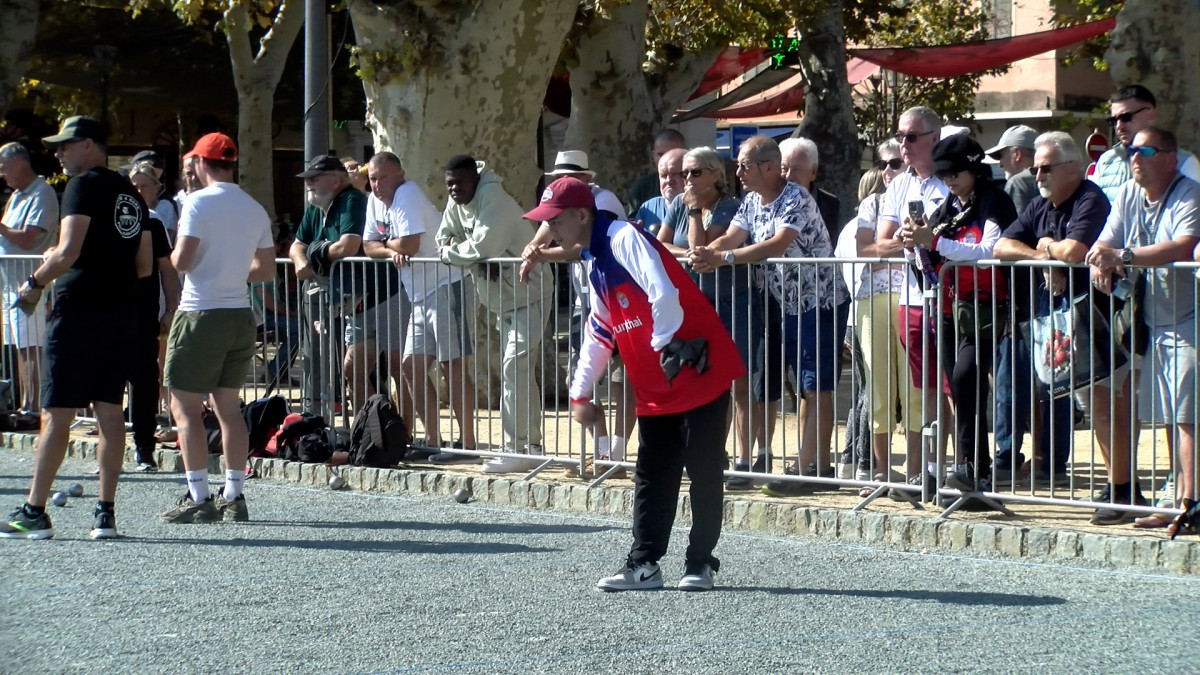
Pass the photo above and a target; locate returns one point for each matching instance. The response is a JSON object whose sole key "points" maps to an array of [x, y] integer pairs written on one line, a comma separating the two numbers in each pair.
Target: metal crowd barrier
{"points": [[326, 343]]}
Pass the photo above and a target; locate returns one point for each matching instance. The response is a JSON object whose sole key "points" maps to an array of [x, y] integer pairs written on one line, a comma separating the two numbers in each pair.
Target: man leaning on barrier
{"points": [[1155, 221], [681, 362], [29, 227], [1058, 225], [482, 221], [780, 219]]}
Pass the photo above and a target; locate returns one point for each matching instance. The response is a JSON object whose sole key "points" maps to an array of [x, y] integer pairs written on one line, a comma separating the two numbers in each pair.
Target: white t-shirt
{"points": [[411, 213], [904, 188], [231, 227], [165, 211]]}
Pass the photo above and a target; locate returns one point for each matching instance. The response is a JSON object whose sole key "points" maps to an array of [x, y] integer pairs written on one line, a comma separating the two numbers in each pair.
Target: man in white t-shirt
{"points": [[224, 243], [917, 132], [401, 223]]}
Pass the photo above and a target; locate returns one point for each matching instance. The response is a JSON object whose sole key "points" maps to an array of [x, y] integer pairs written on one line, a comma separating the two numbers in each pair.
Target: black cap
{"points": [[77, 127], [148, 156], [957, 153], [320, 165]]}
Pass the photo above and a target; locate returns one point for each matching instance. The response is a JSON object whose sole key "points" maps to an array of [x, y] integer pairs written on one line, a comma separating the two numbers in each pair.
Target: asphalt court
{"points": [[343, 582]]}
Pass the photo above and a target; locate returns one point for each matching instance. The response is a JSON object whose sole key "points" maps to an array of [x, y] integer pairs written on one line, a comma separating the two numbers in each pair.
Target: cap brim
{"points": [[571, 172], [309, 174], [988, 159], [52, 142], [544, 212]]}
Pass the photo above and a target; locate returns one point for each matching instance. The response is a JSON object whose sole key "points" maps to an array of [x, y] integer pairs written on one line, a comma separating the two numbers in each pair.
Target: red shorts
{"points": [[922, 355]]}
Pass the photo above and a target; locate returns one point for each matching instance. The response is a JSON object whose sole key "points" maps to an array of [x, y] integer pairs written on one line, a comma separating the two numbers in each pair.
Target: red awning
{"points": [[972, 57], [787, 96], [731, 63]]}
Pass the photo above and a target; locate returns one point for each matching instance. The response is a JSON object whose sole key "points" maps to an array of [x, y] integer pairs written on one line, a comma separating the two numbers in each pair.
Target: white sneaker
{"points": [[634, 577], [845, 471], [698, 578], [863, 475]]}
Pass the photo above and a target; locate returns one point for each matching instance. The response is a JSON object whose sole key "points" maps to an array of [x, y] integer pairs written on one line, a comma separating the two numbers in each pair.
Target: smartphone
{"points": [[916, 211], [1122, 289]]}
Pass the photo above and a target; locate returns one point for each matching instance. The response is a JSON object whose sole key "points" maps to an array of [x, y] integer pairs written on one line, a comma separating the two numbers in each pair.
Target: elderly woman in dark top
{"points": [[694, 218]]}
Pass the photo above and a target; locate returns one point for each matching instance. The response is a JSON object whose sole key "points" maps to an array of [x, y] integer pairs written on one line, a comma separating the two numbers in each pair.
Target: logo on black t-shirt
{"points": [[127, 216]]}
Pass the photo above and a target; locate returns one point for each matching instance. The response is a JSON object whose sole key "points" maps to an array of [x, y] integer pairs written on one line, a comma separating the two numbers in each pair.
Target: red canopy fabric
{"points": [[955, 60], [788, 96], [729, 64]]}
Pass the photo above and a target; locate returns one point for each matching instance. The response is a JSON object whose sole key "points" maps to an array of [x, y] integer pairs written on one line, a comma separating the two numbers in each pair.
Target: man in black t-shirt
{"points": [[101, 253]]}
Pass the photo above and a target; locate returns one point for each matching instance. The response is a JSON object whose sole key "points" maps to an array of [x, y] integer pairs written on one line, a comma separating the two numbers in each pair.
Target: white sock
{"points": [[618, 449], [197, 482], [603, 447], [233, 484], [763, 451], [931, 467]]}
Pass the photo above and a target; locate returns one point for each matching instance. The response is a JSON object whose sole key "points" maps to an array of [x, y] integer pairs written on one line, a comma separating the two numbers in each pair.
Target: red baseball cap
{"points": [[562, 194], [214, 146]]}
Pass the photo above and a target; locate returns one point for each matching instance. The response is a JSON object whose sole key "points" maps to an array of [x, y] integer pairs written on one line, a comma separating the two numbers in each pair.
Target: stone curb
{"points": [[897, 531]]}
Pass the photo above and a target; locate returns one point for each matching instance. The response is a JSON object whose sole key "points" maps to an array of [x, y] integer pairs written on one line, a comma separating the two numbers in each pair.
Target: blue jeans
{"points": [[1013, 408]]}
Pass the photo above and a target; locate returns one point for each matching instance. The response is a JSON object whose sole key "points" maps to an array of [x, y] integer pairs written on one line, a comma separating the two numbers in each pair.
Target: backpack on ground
{"points": [[263, 418], [379, 437], [308, 439]]}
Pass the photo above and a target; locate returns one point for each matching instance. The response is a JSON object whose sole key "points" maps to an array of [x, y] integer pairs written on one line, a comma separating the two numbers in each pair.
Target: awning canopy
{"points": [[972, 57]]}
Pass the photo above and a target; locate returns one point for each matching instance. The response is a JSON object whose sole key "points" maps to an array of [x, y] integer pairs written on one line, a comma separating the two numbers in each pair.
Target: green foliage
{"points": [[925, 23], [1075, 12]]}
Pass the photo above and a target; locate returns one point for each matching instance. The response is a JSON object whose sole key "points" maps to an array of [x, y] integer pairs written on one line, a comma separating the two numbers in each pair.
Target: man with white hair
{"points": [[1014, 154], [29, 227], [917, 188], [1062, 224], [800, 165]]}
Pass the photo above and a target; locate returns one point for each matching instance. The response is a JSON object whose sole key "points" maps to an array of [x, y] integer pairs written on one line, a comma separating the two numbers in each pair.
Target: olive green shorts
{"points": [[209, 349]]}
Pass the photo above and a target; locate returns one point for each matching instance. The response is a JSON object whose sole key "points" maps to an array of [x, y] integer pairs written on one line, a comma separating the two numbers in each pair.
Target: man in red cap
{"points": [[101, 253], [680, 361], [224, 243]]}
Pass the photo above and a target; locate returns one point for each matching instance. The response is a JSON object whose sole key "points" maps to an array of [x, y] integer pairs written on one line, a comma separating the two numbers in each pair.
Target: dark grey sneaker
{"points": [[962, 478], [188, 511], [930, 490], [104, 525], [1123, 494], [20, 525], [234, 510]]}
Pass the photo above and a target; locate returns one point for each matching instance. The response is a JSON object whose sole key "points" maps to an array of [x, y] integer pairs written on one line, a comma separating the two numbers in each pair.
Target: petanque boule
{"points": [[58, 499], [336, 482], [76, 490], [461, 496]]}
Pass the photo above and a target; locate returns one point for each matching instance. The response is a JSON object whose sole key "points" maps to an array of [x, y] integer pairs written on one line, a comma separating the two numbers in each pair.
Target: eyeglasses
{"points": [[744, 166], [692, 173], [1125, 117], [1147, 150], [894, 164], [902, 137], [947, 175], [1047, 168]]}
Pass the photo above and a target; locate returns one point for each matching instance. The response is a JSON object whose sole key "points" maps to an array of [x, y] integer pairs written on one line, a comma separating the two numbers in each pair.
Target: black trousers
{"points": [[967, 365], [668, 443], [144, 386]]}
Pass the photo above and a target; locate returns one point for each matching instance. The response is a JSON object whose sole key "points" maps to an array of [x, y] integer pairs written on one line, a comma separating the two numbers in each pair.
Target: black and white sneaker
{"points": [[697, 577], [633, 576], [104, 525]]}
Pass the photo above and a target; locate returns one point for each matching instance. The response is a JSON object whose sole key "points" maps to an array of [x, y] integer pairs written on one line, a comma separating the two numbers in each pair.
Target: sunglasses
{"points": [[947, 175], [1147, 150], [692, 173], [1126, 117], [894, 164], [1046, 168], [746, 166], [910, 137]]}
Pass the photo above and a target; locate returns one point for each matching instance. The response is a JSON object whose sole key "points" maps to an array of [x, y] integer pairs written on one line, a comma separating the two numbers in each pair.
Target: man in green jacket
{"points": [[481, 222]]}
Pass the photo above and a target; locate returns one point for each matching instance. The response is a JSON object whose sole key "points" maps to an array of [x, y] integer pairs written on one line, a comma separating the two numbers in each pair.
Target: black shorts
{"points": [[87, 356]]}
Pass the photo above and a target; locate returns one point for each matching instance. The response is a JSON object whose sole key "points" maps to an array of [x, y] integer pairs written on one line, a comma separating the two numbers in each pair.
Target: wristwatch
{"points": [[33, 282], [695, 212], [728, 257], [1126, 256]]}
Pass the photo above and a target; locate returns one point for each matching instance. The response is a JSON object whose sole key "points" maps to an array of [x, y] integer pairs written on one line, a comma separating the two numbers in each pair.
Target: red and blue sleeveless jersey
{"points": [[642, 299]]}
